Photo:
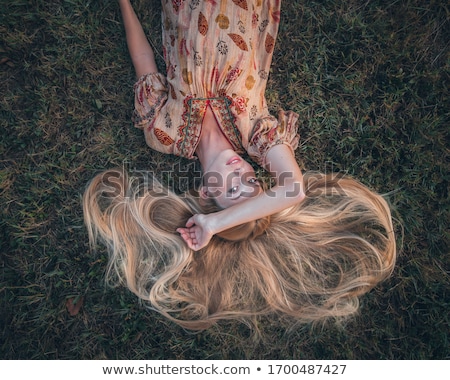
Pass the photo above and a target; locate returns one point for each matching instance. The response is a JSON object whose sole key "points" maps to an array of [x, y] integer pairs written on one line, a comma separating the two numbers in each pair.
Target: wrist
{"points": [[213, 223]]}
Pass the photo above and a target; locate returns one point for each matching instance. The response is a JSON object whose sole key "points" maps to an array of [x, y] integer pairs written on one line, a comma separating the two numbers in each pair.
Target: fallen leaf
{"points": [[73, 305]]}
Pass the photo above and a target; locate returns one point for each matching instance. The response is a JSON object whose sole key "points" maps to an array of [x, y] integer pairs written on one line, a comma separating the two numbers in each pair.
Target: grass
{"points": [[371, 84]]}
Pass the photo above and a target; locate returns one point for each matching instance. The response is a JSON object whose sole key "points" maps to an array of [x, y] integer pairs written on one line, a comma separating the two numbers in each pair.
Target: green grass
{"points": [[371, 84]]}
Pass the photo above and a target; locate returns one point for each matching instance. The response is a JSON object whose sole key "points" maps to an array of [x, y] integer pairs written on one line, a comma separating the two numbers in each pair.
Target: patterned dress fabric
{"points": [[218, 54]]}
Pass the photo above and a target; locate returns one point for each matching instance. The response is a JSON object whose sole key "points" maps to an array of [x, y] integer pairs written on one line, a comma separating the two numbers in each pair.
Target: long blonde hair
{"points": [[311, 262]]}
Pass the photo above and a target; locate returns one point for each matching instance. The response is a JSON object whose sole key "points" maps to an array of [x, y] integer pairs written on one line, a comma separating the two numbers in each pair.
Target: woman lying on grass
{"points": [[308, 247]]}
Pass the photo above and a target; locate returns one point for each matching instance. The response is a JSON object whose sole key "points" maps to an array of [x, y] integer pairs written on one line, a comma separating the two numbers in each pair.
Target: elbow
{"points": [[291, 188], [297, 195], [294, 192], [294, 187]]}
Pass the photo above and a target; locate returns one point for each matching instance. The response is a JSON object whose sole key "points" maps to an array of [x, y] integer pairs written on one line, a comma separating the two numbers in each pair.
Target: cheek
{"points": [[248, 167], [250, 191], [222, 202], [248, 172], [214, 179]]}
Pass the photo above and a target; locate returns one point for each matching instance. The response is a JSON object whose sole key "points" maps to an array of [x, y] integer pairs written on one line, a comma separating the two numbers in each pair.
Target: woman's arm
{"points": [[288, 191], [141, 52]]}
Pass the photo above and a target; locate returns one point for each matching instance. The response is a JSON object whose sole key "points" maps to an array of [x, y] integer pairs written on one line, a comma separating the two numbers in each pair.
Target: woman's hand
{"points": [[197, 233]]}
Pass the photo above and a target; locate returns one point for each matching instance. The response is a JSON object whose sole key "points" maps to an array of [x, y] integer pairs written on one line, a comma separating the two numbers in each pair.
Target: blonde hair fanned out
{"points": [[310, 262]]}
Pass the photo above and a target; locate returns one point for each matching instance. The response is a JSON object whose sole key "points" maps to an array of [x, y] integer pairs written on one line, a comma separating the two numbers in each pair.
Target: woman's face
{"points": [[230, 180]]}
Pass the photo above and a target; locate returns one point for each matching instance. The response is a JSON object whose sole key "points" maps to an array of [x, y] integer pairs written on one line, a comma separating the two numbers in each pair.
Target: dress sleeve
{"points": [[270, 131], [150, 94]]}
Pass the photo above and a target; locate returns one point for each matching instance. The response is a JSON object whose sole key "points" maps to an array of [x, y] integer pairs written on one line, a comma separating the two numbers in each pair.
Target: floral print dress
{"points": [[218, 54]]}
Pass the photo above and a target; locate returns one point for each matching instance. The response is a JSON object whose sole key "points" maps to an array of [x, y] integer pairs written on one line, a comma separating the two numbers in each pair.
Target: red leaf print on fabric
{"points": [[270, 43], [233, 74], [276, 16], [241, 3], [183, 49], [239, 41], [163, 137], [202, 24], [215, 75]]}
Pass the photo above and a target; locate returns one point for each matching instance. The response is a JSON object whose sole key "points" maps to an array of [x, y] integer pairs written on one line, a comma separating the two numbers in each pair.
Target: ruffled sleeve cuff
{"points": [[150, 94], [269, 131]]}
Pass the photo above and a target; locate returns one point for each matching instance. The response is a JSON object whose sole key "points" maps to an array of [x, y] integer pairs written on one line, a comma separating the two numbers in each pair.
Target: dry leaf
{"points": [[73, 305]]}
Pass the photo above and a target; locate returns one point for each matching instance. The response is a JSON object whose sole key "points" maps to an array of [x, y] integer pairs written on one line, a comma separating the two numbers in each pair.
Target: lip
{"points": [[234, 160]]}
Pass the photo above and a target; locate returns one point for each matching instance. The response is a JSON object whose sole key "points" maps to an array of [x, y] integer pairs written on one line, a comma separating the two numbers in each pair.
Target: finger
{"points": [[185, 235], [190, 222], [189, 238], [183, 232]]}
